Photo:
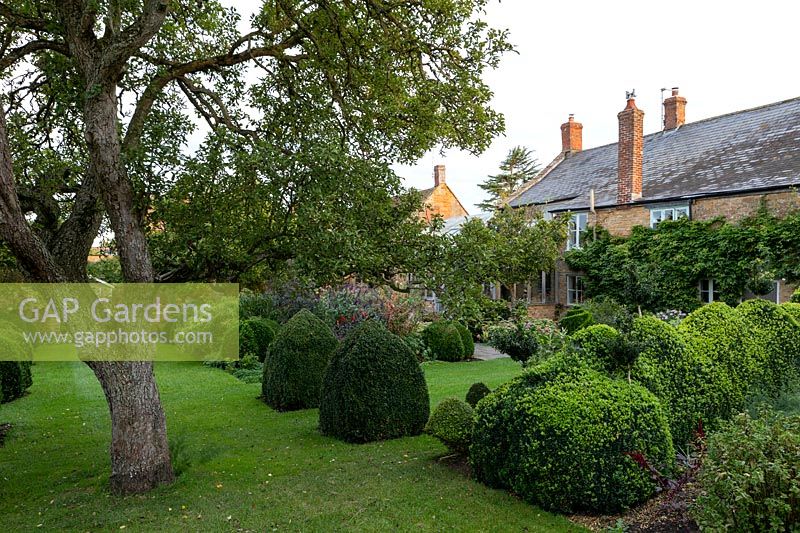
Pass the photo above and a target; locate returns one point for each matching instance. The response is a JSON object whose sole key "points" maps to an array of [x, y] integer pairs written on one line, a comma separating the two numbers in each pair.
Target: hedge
{"points": [[476, 393], [255, 336], [775, 345], [451, 422], [576, 318], [444, 341], [559, 435], [594, 344], [373, 389], [296, 362], [466, 340], [793, 309]]}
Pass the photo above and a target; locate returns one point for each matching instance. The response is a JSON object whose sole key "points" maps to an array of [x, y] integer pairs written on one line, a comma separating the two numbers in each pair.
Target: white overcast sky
{"points": [[580, 56]]}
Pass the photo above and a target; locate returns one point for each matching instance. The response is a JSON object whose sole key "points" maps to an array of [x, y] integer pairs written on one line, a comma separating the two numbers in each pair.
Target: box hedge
{"points": [[296, 363], [476, 393], [255, 336], [373, 389], [444, 341], [594, 345], [466, 340], [793, 309], [576, 318], [558, 437], [451, 422]]}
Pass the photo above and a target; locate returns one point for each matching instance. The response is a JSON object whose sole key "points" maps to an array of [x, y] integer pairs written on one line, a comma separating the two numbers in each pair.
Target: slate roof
{"points": [[744, 151]]}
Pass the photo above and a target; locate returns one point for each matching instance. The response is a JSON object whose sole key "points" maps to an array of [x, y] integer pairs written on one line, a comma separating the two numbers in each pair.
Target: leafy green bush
{"points": [[775, 337], [466, 339], [15, 376], [576, 318], [416, 343], [558, 436], [476, 393], [595, 344], [528, 340], [108, 270], [296, 363], [451, 422], [749, 477], [690, 385], [795, 296], [719, 333], [444, 341], [606, 310], [255, 336], [793, 309], [373, 389]]}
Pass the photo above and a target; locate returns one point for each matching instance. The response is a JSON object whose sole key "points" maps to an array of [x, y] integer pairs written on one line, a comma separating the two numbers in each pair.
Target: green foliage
{"points": [[296, 362], [558, 437], [793, 309], [749, 477], [373, 389], [527, 340], [444, 341], [519, 166], [660, 268], [476, 393], [15, 376], [795, 296], [690, 384], [509, 248], [595, 345], [606, 310], [108, 270], [255, 336], [576, 318], [466, 339], [451, 422], [775, 340]]}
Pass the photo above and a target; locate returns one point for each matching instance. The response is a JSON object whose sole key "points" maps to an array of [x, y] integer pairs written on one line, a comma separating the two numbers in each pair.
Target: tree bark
{"points": [[140, 458]]}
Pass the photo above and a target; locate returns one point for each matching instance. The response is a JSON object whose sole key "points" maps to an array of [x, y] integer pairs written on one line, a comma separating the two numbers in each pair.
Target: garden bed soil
{"points": [[666, 513]]}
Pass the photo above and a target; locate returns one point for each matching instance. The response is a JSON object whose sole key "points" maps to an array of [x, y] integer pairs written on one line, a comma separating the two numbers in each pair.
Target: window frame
{"points": [[575, 230], [575, 289], [674, 209], [709, 294]]}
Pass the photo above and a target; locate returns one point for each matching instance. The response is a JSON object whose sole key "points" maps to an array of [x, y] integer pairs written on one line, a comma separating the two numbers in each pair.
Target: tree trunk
{"points": [[140, 458]]}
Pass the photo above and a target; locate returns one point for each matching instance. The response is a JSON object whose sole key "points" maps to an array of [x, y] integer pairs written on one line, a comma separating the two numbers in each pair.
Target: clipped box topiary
{"points": [[793, 309], [296, 362], [575, 319], [451, 422], [466, 340], [255, 336], [476, 393], [594, 345], [560, 438], [444, 341], [374, 389]]}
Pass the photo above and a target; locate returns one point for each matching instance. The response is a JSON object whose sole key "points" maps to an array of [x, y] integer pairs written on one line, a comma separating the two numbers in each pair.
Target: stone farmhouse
{"points": [[722, 166], [440, 199]]}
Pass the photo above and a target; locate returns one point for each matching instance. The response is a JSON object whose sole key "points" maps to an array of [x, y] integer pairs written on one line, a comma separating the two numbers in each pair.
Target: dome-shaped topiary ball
{"points": [[595, 344], [466, 340], [255, 336], [564, 441], [444, 341], [476, 393], [374, 389], [451, 422], [296, 362]]}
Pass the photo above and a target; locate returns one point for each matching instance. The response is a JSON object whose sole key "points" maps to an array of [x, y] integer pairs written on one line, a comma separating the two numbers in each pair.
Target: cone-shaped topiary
{"points": [[476, 393], [296, 362], [373, 389], [444, 341], [451, 423], [466, 339]]}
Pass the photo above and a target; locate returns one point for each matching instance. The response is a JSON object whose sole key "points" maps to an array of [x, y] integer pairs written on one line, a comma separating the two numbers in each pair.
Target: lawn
{"points": [[241, 465]]}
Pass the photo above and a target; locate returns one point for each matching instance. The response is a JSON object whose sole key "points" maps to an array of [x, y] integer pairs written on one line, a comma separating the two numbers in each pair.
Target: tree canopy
{"points": [[519, 166]]}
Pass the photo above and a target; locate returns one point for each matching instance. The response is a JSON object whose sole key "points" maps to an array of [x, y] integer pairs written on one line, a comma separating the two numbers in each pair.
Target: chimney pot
{"points": [[571, 135], [438, 175], [674, 111], [630, 153]]}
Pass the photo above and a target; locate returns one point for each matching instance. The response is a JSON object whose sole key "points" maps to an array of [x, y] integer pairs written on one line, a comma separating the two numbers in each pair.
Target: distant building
{"points": [[721, 166], [440, 199]]}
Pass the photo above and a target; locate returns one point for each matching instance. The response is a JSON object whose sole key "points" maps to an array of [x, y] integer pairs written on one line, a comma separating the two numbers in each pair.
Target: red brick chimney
{"points": [[571, 136], [674, 111], [631, 149], [438, 175]]}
